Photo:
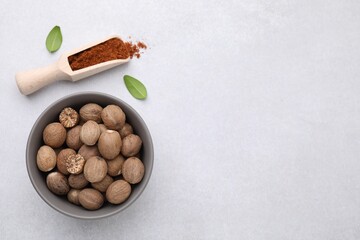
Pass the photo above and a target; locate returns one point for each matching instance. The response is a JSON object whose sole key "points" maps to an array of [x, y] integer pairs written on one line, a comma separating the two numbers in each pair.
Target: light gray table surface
{"points": [[253, 106]]}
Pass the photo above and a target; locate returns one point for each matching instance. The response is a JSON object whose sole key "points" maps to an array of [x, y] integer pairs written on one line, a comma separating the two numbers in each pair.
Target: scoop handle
{"points": [[32, 80]]}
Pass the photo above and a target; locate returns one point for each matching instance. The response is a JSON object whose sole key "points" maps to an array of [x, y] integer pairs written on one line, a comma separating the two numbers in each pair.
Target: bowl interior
{"points": [[35, 141]]}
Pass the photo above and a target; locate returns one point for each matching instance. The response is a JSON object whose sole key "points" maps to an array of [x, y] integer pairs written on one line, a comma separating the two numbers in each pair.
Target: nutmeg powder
{"points": [[111, 49]]}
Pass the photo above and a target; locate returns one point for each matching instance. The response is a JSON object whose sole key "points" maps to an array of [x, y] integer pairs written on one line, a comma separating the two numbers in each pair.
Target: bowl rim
{"points": [[125, 204]]}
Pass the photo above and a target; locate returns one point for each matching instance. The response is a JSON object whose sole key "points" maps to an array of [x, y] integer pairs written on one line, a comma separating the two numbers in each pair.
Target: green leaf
{"points": [[54, 39], [135, 87]]}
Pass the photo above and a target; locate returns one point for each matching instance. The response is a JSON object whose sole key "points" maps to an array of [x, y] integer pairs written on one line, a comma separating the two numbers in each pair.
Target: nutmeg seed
{"points": [[126, 130], [89, 133], [113, 117], [109, 144], [91, 111], [89, 151], [57, 183], [75, 164], [115, 165], [77, 181], [54, 135], [103, 184], [46, 158], [73, 196], [91, 199], [131, 145], [68, 117], [133, 170], [95, 169], [61, 160], [118, 192], [73, 138]]}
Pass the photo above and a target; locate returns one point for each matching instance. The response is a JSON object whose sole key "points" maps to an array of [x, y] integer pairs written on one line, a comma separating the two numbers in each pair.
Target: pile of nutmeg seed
{"points": [[92, 156]]}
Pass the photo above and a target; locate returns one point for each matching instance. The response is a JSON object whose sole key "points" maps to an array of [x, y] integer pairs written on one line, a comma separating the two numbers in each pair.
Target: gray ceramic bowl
{"points": [[35, 141]]}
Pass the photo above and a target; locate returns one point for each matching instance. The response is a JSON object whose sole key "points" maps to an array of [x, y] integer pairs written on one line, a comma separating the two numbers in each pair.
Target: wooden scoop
{"points": [[32, 80]]}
